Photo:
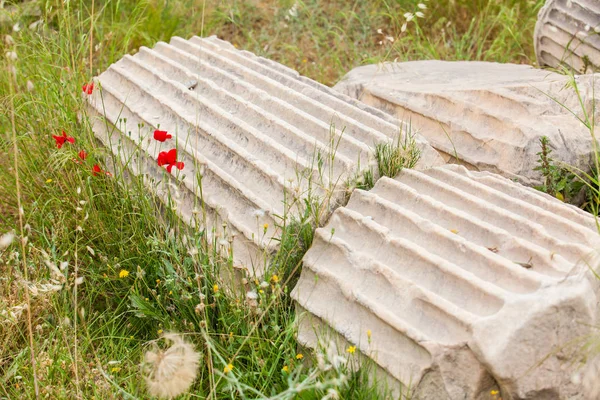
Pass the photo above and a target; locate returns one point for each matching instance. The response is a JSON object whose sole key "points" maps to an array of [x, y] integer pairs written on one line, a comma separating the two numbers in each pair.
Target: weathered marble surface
{"points": [[251, 128], [467, 283], [567, 34], [490, 116]]}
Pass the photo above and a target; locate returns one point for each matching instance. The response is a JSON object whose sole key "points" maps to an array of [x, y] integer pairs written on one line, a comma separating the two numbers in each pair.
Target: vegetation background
{"points": [[95, 272]]}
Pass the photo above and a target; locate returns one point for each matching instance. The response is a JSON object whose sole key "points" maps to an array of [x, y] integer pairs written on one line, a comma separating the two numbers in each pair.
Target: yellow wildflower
{"points": [[369, 333], [275, 278], [494, 392], [228, 368], [285, 368], [265, 227], [215, 288], [123, 273], [160, 331], [48, 180], [351, 349], [115, 369], [299, 356]]}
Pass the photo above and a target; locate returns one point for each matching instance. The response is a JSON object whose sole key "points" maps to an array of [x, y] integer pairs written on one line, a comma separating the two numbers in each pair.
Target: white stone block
{"points": [[567, 34], [490, 116], [251, 129], [467, 282]]}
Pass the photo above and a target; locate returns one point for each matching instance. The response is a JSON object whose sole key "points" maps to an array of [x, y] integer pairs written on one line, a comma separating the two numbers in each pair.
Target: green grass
{"points": [[90, 338]]}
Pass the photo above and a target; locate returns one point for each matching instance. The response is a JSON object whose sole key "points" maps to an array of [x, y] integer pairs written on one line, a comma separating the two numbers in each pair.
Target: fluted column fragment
{"points": [[253, 135], [567, 33], [455, 284]]}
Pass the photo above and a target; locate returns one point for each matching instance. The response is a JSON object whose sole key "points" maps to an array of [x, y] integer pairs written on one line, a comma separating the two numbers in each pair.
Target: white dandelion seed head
{"points": [[79, 281], [252, 295], [264, 284], [420, 14], [171, 372], [409, 16], [63, 265], [11, 55], [258, 213], [6, 240], [422, 6]]}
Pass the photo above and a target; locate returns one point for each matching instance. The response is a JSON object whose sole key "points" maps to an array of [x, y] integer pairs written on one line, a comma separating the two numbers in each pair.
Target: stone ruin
{"points": [[493, 121], [253, 130], [455, 282], [567, 34], [451, 281]]}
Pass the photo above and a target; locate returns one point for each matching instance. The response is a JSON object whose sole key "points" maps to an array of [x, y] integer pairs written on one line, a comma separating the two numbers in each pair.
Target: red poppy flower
{"points": [[88, 88], [97, 170], [60, 140], [161, 136], [169, 158], [179, 166], [82, 154]]}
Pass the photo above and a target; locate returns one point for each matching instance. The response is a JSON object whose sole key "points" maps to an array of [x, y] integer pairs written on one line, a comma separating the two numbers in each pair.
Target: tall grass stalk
{"points": [[21, 213]]}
